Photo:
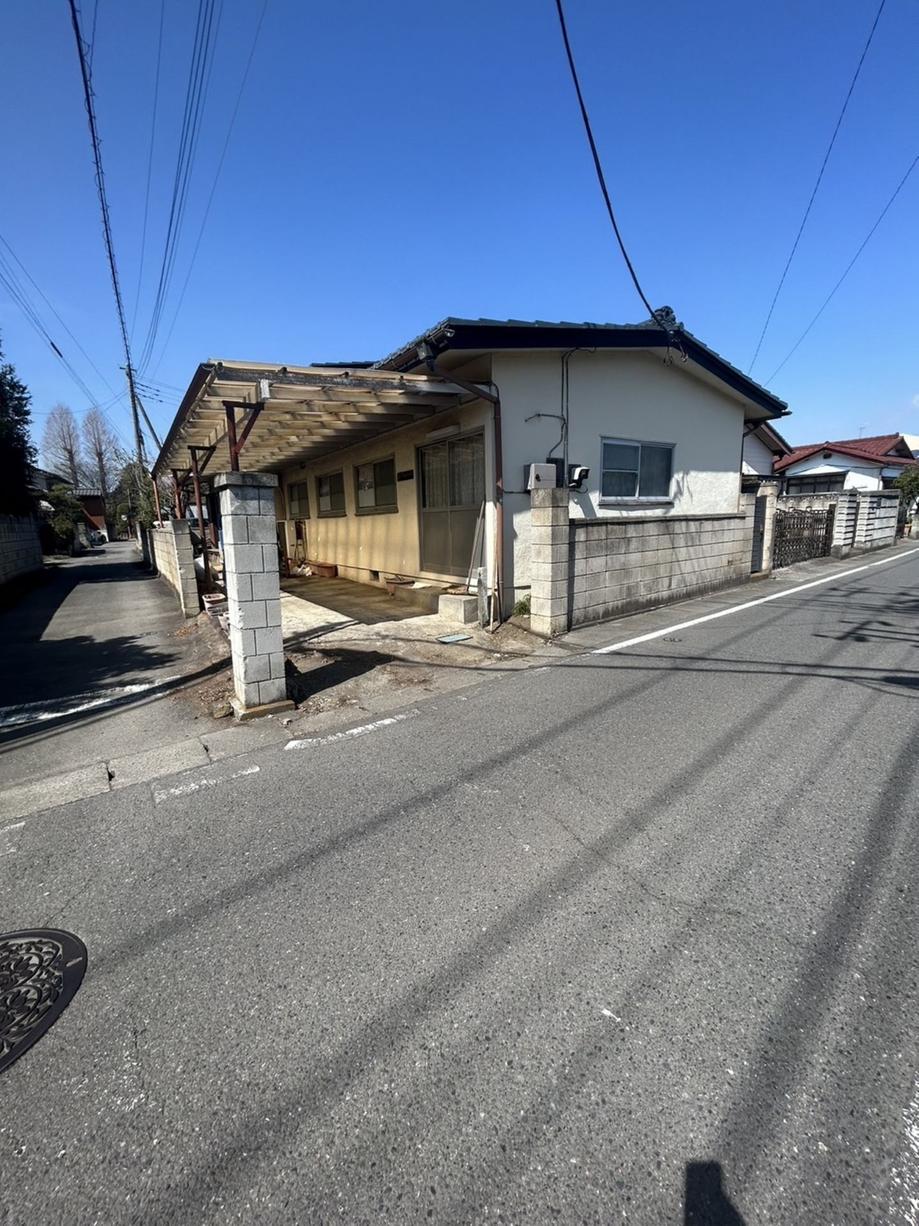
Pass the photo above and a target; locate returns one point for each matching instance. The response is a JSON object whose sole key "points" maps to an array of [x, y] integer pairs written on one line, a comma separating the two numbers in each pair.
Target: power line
{"points": [[210, 199], [823, 164], [599, 168], [195, 95], [51, 308], [849, 266], [106, 222], [15, 290], [156, 95]]}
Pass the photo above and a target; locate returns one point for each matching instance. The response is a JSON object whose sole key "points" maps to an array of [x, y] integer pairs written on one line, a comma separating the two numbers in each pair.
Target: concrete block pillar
{"points": [[250, 561], [770, 491], [549, 561]]}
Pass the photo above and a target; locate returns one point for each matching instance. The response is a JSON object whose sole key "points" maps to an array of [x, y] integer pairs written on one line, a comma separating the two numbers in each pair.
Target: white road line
{"points": [[748, 604], [314, 742], [905, 1176], [195, 785], [36, 712]]}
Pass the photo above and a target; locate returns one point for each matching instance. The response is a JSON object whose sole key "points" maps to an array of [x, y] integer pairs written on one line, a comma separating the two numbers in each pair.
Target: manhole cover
{"points": [[40, 971]]}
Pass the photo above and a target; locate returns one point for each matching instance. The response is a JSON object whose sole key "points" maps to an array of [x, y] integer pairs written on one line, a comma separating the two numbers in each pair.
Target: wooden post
{"points": [[231, 436], [180, 508], [196, 476]]}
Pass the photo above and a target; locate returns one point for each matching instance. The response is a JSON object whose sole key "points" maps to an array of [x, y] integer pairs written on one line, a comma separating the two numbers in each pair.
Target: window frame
{"points": [[304, 501], [835, 483], [388, 508], [636, 499], [331, 514]]}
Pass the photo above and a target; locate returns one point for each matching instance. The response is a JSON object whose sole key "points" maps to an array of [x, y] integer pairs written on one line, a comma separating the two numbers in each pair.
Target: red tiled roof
{"points": [[873, 448]]}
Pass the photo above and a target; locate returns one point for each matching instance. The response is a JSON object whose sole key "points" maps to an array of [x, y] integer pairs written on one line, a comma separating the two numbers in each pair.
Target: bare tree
{"points": [[60, 444], [102, 451]]}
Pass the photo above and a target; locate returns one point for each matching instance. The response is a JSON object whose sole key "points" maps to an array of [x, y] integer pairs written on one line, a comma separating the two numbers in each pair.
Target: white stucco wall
{"points": [[614, 395], [757, 458], [861, 474]]}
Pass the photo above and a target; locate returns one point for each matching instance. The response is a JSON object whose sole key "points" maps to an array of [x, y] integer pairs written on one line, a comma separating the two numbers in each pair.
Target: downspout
{"points": [[495, 399]]}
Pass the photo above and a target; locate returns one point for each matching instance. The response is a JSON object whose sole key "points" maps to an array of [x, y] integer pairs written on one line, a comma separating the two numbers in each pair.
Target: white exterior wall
{"points": [[614, 395], [757, 458], [861, 475]]}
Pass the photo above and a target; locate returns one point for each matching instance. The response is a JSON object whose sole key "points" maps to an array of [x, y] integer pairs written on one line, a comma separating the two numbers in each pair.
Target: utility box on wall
{"points": [[540, 476]]}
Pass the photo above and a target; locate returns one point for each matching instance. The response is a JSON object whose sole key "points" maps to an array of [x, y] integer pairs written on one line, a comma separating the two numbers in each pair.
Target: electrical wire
{"points": [[849, 266], [106, 216], [156, 95], [195, 95], [51, 308], [210, 199], [810, 203], [598, 167]]}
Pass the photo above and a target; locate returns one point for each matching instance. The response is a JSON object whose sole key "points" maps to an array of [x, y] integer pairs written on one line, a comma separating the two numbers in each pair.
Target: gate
{"points": [[802, 535]]}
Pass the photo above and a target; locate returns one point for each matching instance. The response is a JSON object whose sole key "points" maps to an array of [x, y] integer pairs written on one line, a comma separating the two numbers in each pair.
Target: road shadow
{"points": [[705, 1202]]}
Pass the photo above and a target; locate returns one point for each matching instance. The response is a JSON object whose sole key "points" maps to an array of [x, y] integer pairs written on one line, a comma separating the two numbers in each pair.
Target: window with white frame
{"points": [[330, 490], [631, 469], [375, 486], [298, 501]]}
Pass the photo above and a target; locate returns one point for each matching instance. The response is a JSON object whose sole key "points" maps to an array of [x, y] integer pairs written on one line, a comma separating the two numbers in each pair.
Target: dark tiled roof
{"points": [[563, 334]]}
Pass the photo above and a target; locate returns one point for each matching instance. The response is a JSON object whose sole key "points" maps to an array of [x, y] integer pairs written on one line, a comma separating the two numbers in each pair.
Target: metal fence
{"points": [[802, 535]]}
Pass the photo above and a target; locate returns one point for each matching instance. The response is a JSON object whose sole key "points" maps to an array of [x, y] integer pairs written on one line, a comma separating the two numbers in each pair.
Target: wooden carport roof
{"points": [[267, 417]]}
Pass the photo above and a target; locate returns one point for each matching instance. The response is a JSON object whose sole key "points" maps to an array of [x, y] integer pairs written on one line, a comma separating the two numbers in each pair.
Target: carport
{"points": [[240, 426]]}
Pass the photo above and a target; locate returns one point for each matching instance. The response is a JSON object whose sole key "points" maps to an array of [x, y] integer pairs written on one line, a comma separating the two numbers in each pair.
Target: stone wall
{"points": [[20, 548], [587, 570], [174, 558]]}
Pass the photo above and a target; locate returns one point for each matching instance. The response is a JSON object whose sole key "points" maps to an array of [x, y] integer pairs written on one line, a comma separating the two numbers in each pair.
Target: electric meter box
{"points": [[540, 476]]}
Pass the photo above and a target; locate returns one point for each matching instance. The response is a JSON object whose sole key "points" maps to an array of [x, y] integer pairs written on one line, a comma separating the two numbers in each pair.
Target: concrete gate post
{"points": [[549, 547], [250, 562]]}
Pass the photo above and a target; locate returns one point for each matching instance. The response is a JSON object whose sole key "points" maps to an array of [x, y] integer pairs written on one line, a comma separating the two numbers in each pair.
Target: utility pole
{"points": [[138, 436]]}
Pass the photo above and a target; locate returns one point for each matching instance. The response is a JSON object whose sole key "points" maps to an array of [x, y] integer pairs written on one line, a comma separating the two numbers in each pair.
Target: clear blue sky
{"points": [[396, 163]]}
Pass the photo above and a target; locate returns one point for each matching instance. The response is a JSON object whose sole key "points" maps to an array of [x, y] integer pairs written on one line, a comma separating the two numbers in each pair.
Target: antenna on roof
{"points": [[861, 431]]}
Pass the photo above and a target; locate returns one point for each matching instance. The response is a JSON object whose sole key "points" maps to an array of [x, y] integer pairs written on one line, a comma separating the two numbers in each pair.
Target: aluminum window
{"points": [[375, 486], [330, 493], [632, 469], [815, 485], [298, 500]]}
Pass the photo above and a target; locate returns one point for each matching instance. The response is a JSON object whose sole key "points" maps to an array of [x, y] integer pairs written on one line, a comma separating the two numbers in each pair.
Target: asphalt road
{"points": [[98, 632], [627, 938]]}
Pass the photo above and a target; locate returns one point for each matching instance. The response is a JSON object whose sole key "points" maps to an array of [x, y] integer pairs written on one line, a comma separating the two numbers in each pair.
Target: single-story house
{"points": [[763, 447], [421, 464], [866, 464]]}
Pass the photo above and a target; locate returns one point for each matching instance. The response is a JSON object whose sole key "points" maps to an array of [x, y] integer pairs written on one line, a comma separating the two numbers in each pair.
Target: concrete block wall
{"points": [[250, 557], [877, 520], [585, 570], [20, 548], [174, 558], [619, 566]]}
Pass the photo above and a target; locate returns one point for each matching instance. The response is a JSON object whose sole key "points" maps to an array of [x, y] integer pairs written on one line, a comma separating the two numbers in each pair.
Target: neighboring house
{"points": [[418, 465], [92, 501], [41, 481], [763, 447], [866, 464]]}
